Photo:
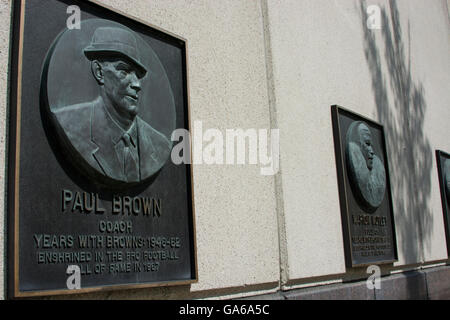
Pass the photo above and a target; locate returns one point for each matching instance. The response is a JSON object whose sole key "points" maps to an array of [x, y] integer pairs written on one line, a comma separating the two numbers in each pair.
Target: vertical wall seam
{"points": [[278, 188]]}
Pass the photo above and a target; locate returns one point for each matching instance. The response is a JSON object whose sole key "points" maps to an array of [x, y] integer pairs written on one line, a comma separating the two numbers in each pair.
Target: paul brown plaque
{"points": [[364, 189], [443, 165], [94, 200]]}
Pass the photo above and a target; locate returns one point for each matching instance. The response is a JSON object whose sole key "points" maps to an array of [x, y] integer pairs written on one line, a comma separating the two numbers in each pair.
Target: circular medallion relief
{"points": [[110, 102], [365, 170]]}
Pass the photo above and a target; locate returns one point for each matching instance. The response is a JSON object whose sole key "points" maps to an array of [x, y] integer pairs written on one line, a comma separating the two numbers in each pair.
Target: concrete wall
{"points": [[282, 64], [324, 54]]}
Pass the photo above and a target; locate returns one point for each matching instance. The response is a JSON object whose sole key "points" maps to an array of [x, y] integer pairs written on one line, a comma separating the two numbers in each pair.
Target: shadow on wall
{"points": [[409, 151]]}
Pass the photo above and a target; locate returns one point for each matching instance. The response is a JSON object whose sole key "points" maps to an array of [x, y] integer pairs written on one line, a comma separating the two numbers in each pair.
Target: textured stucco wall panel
{"points": [[324, 54], [430, 64]]}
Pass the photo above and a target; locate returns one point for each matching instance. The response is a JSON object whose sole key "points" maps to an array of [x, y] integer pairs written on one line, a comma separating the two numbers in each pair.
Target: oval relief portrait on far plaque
{"points": [[110, 102], [366, 171]]}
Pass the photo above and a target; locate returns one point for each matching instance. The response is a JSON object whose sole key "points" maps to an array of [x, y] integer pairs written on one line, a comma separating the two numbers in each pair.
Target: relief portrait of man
{"points": [[366, 171], [106, 133]]}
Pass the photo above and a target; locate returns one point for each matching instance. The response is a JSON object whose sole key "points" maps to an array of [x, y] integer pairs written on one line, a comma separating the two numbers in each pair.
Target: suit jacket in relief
{"points": [[87, 128]]}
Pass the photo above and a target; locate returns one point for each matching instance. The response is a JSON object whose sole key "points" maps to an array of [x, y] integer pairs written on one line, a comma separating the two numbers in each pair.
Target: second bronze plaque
{"points": [[364, 189]]}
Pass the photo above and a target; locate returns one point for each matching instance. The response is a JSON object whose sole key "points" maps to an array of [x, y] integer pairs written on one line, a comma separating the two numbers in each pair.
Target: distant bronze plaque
{"points": [[364, 189], [443, 165], [94, 200]]}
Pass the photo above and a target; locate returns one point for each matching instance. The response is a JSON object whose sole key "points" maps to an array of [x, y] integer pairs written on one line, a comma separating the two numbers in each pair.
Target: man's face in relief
{"points": [[122, 84], [366, 145]]}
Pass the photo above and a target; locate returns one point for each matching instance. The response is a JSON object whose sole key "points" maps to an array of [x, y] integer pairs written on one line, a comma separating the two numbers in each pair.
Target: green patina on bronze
{"points": [[365, 169]]}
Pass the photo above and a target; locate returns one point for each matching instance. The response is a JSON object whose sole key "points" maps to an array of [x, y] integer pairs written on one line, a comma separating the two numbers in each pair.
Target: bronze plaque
{"points": [[443, 165], [94, 200], [364, 189]]}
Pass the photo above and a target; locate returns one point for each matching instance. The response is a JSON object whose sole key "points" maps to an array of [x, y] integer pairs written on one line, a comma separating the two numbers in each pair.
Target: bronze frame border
{"points": [[445, 205], [16, 293], [336, 110]]}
